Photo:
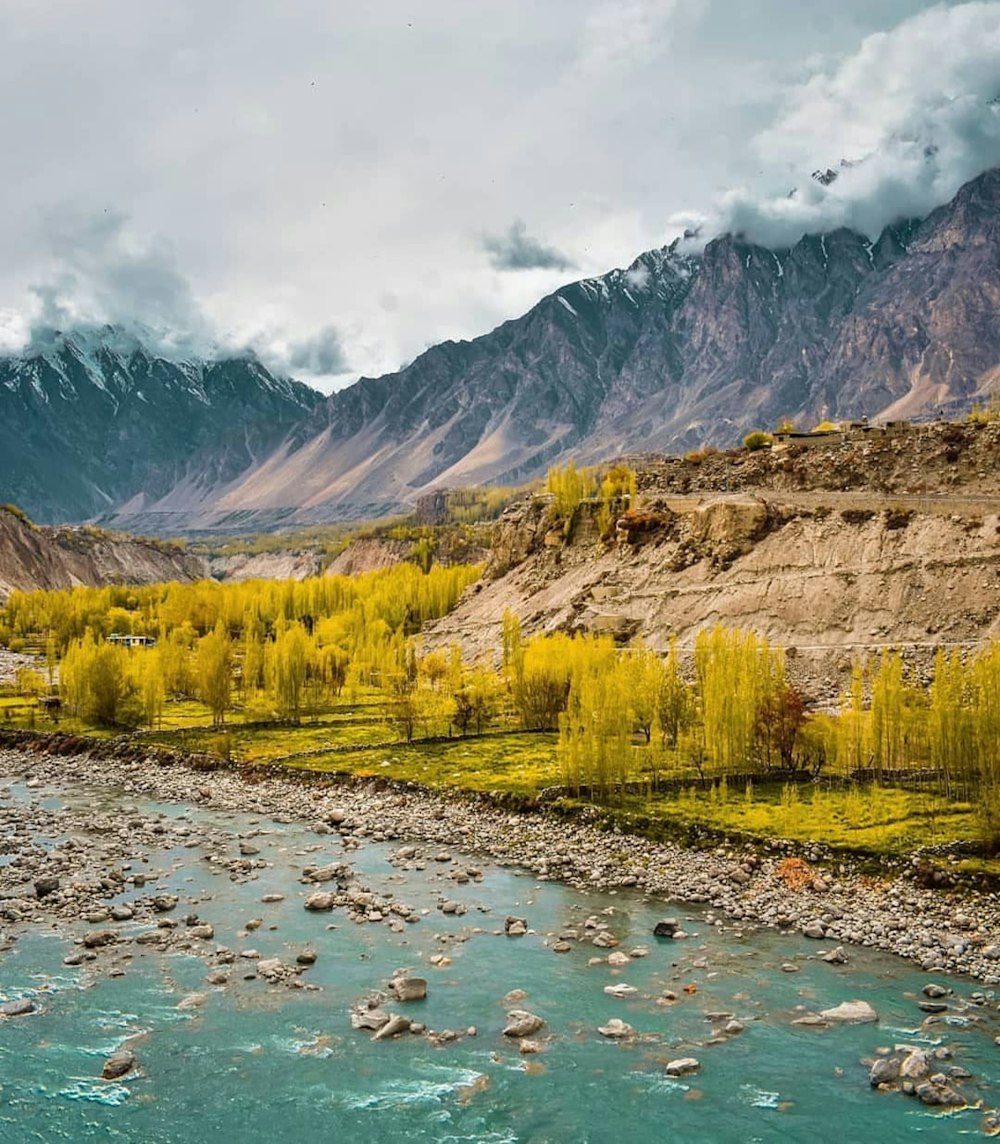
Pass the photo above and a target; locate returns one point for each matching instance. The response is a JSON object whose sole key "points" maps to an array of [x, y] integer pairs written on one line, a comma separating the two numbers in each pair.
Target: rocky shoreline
{"points": [[941, 931]]}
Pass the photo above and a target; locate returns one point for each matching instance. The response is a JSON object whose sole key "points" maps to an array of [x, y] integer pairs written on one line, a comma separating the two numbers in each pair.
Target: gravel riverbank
{"points": [[95, 862]]}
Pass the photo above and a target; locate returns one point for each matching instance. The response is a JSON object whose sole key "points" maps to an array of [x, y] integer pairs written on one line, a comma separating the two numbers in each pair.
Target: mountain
{"points": [[33, 556], [679, 350], [93, 420], [683, 348]]}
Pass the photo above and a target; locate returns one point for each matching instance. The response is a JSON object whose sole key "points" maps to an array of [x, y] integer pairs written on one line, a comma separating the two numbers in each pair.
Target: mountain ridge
{"points": [[93, 420], [678, 350]]}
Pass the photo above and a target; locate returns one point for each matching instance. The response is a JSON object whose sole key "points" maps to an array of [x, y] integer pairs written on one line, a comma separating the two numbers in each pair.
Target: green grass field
{"points": [[355, 737]]}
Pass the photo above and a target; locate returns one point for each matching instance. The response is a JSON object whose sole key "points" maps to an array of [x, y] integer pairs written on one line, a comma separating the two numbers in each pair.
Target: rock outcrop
{"points": [[33, 556]]}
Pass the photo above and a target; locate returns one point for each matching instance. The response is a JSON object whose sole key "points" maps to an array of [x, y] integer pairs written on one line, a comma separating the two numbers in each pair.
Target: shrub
{"points": [[17, 511], [696, 456], [757, 440]]}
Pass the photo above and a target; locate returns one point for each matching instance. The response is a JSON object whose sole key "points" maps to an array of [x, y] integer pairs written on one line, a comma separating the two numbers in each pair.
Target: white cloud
{"points": [[315, 165], [914, 112], [622, 33]]}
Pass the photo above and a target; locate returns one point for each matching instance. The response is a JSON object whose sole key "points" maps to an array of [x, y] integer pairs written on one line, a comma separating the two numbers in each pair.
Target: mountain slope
{"points": [[90, 421], [36, 557], [677, 350]]}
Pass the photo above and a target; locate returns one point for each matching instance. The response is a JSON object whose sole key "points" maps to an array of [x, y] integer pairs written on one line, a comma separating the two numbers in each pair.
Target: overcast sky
{"points": [[341, 184]]}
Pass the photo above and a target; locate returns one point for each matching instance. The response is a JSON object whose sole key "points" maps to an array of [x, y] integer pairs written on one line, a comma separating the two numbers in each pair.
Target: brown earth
{"points": [[32, 556], [284, 565], [786, 544], [369, 554]]}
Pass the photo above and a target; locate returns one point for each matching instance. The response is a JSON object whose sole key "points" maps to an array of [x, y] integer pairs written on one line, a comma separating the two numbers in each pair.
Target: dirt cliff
{"points": [[826, 571], [32, 556]]}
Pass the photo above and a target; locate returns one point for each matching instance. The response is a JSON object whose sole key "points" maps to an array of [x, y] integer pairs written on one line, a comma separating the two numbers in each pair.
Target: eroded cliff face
{"points": [[828, 572], [36, 557]]}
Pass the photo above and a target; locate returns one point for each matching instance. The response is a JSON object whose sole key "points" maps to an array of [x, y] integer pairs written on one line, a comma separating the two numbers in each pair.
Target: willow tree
{"points": [[213, 672], [285, 665], [950, 725], [595, 730], [736, 672]]}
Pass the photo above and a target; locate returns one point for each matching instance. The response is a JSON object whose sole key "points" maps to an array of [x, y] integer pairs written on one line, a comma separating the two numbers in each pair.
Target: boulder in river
{"points": [[851, 1013], [667, 927], [321, 900], [615, 1029], [365, 1018], [515, 927], [19, 1008], [118, 1064], [683, 1066], [521, 1023], [95, 939], [408, 988], [393, 1027]]}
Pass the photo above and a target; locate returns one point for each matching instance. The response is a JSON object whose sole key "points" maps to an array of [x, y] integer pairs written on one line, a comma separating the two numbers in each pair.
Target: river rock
{"points": [[19, 1008], [933, 1006], [521, 1023], [936, 1092], [934, 991], [683, 1066], [393, 1027], [915, 1065], [334, 872], [815, 930], [615, 1029], [118, 1064], [321, 900], [666, 928], [46, 886], [365, 1018], [272, 968], [851, 1013], [408, 988], [884, 1071], [515, 927], [620, 990], [164, 903], [96, 939]]}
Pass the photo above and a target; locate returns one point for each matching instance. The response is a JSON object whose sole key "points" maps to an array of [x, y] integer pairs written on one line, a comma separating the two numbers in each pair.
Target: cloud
{"points": [[250, 208], [321, 355], [517, 250], [902, 123], [620, 33], [102, 272]]}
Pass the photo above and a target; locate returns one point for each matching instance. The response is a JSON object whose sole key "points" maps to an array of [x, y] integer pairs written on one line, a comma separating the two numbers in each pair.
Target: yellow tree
{"points": [[286, 660], [213, 672]]}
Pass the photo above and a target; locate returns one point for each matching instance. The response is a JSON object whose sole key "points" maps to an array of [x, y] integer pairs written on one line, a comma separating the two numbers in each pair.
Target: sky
{"points": [[338, 185]]}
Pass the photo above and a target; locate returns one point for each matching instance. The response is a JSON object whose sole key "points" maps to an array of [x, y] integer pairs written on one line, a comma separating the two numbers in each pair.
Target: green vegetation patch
{"points": [[517, 763]]}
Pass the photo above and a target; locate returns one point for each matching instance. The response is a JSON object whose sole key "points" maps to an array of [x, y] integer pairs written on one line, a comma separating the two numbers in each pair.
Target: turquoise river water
{"points": [[259, 1064]]}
